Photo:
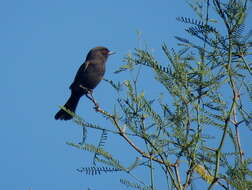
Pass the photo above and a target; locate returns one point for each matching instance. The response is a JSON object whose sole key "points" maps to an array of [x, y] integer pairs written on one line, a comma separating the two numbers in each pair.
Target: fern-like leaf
{"points": [[104, 137], [190, 21], [97, 170], [128, 183]]}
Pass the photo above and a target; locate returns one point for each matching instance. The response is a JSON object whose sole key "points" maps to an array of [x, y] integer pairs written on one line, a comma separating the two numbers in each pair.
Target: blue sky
{"points": [[43, 43]]}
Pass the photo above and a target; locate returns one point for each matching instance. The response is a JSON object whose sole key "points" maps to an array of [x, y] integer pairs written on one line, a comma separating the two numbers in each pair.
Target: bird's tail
{"points": [[71, 105]]}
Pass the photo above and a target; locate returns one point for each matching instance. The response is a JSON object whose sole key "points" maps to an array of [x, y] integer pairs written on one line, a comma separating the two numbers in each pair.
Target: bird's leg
{"points": [[89, 95], [92, 98]]}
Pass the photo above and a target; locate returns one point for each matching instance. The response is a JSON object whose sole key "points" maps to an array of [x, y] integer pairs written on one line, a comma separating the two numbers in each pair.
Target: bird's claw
{"points": [[97, 107], [89, 95]]}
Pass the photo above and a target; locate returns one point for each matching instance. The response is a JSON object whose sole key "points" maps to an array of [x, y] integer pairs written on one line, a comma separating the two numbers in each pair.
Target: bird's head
{"points": [[99, 53]]}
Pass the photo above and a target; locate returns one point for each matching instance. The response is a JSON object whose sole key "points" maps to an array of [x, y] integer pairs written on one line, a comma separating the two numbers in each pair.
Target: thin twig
{"points": [[176, 167], [130, 142], [123, 134], [237, 136], [246, 64], [228, 118]]}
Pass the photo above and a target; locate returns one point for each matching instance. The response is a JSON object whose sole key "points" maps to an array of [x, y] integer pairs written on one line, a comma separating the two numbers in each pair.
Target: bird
{"points": [[86, 79]]}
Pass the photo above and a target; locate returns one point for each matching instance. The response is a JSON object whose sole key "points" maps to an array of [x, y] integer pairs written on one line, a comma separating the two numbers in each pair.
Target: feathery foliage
{"points": [[193, 128]]}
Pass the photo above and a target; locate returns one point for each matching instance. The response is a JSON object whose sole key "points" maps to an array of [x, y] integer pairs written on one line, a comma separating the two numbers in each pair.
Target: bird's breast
{"points": [[93, 75]]}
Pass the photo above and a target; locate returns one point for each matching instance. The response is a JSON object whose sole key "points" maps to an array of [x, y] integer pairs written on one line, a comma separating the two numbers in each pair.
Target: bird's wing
{"points": [[80, 72]]}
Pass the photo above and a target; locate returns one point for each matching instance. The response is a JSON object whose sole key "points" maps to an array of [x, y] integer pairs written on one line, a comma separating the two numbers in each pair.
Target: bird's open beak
{"points": [[111, 52]]}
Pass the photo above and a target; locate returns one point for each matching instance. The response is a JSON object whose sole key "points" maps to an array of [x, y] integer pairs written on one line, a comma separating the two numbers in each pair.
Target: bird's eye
{"points": [[105, 52]]}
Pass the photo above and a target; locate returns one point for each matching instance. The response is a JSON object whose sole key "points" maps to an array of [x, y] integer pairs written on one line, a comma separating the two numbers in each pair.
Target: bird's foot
{"points": [[89, 95], [97, 107]]}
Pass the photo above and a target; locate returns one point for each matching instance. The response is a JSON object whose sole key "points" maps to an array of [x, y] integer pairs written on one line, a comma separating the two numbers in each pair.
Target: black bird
{"points": [[87, 78]]}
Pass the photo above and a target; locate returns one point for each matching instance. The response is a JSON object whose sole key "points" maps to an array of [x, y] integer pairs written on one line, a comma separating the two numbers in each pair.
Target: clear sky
{"points": [[43, 43]]}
